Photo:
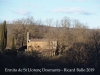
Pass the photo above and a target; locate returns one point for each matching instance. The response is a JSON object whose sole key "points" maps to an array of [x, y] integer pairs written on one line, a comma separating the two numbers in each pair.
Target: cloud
{"points": [[22, 12], [72, 10]]}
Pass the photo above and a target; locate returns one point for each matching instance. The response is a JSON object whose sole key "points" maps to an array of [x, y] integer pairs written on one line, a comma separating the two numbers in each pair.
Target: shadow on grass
{"points": [[29, 63]]}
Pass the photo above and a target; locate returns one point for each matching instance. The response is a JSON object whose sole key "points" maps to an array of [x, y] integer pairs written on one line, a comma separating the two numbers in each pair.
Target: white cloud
{"points": [[72, 10], [22, 12]]}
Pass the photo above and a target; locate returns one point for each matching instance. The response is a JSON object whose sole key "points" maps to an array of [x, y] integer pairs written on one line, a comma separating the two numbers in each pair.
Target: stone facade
{"points": [[44, 46]]}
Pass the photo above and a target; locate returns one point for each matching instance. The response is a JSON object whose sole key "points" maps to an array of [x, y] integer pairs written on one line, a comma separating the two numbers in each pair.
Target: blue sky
{"points": [[86, 11]]}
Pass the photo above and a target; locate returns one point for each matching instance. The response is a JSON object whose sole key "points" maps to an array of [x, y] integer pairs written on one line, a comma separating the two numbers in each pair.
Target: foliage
{"points": [[13, 43], [79, 45], [67, 32], [3, 36]]}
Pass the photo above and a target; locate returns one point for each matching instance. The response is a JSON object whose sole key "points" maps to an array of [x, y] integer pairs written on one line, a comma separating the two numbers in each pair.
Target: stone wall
{"points": [[45, 47]]}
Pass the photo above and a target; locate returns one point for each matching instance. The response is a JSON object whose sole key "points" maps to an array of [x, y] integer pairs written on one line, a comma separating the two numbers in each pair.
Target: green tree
{"points": [[3, 36]]}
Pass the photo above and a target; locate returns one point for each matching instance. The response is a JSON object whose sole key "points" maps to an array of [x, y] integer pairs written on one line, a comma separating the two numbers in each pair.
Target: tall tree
{"points": [[3, 36], [13, 44]]}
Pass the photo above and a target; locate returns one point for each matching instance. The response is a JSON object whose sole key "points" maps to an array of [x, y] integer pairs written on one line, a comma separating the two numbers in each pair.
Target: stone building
{"points": [[45, 46]]}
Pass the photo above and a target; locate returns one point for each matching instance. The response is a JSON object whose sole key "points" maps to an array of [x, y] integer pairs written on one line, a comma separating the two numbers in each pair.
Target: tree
{"points": [[3, 36], [13, 44], [20, 30], [63, 37]]}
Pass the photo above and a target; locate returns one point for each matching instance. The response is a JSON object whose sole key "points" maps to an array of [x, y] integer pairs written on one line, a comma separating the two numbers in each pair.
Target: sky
{"points": [[86, 11]]}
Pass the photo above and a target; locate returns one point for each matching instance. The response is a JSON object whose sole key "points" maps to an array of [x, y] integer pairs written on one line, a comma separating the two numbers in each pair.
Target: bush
{"points": [[10, 52]]}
